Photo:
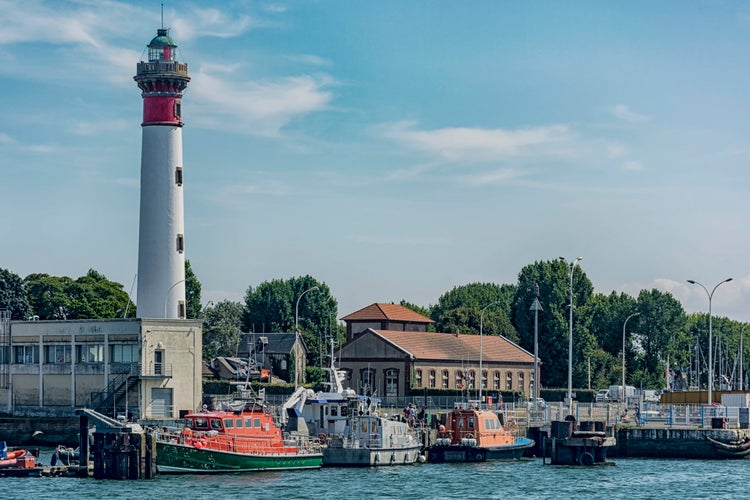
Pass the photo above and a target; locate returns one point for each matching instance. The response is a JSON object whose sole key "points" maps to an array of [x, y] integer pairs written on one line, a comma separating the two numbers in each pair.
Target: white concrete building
{"points": [[150, 368]]}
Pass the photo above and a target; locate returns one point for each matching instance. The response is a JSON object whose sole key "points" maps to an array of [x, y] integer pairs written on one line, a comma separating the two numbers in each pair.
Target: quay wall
{"points": [[667, 442], [38, 431]]}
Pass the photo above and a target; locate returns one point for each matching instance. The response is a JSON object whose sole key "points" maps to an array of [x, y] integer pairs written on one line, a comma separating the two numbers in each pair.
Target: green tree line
{"points": [[659, 335]]}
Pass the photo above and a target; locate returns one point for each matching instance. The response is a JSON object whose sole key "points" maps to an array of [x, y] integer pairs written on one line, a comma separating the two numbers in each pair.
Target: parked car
{"points": [[602, 396], [536, 404]]}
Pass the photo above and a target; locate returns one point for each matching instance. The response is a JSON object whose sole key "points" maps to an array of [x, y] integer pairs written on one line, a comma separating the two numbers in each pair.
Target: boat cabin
{"points": [[244, 423], [473, 424]]}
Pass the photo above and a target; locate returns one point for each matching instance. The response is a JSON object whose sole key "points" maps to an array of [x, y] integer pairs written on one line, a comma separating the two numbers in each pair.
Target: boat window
{"points": [[344, 411], [199, 423], [460, 423], [471, 422], [229, 423], [374, 426], [334, 411], [215, 423], [256, 422], [248, 423], [238, 423], [364, 426]]}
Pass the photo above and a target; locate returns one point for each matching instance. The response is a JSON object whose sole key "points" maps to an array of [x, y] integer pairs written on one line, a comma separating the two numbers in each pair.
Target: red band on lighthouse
{"points": [[162, 109]]}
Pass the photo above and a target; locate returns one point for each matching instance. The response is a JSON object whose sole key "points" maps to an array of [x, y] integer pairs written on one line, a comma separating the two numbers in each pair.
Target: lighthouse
{"points": [[161, 238]]}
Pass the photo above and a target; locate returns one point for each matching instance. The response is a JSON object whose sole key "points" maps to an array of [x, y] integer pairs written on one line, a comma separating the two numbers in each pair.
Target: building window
{"points": [[26, 354], [57, 354], [180, 243], [459, 379], [484, 379], [367, 382], [446, 383], [520, 381], [90, 353], [391, 382], [159, 362], [418, 377], [178, 176], [496, 380], [432, 378], [4, 355], [123, 353], [472, 379], [509, 381], [181, 309], [178, 109]]}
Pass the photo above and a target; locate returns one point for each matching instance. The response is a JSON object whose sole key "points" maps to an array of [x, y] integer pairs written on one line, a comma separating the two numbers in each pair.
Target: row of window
{"points": [[464, 378], [84, 353]]}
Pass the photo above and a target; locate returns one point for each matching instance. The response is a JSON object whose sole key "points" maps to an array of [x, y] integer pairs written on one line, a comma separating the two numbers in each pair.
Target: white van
{"points": [[602, 396]]}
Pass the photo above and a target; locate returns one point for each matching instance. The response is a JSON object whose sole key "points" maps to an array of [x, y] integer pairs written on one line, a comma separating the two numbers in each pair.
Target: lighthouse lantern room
{"points": [[161, 238]]}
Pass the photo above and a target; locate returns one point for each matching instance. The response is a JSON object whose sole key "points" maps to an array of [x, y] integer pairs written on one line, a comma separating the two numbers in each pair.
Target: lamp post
{"points": [[536, 307], [742, 356], [622, 394], [481, 327], [572, 266], [296, 330], [710, 335]]}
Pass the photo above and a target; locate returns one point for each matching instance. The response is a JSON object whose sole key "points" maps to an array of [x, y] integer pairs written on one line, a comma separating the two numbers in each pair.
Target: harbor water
{"points": [[629, 478]]}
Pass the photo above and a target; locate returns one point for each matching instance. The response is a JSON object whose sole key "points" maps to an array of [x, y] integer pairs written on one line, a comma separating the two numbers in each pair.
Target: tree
{"points": [[460, 310], [192, 293], [604, 317], [221, 329], [553, 280], [661, 333], [271, 307], [13, 295], [91, 296]]}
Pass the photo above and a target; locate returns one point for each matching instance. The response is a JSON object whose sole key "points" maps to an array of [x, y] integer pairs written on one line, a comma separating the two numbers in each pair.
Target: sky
{"points": [[393, 150]]}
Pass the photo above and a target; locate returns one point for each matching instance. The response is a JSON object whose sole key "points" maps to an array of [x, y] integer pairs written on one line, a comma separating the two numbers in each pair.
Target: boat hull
{"points": [[173, 458], [465, 453], [369, 457]]}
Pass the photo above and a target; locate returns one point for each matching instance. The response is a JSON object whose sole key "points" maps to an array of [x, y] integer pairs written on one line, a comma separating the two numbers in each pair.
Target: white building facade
{"points": [[148, 368]]}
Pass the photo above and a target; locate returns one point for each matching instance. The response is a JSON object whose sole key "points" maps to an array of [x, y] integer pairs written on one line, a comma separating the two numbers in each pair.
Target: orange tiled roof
{"points": [[392, 312], [431, 345]]}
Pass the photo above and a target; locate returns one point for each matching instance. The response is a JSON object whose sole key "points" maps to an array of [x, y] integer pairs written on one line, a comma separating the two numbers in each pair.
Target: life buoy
{"points": [[323, 438], [479, 457]]}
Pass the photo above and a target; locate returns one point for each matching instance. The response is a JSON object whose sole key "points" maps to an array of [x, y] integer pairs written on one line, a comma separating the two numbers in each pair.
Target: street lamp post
{"points": [[296, 329], [710, 335], [536, 307], [742, 356], [481, 328], [570, 335], [622, 394]]}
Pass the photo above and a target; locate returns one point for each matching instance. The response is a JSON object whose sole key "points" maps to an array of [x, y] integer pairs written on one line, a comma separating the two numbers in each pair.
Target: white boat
{"points": [[350, 427]]}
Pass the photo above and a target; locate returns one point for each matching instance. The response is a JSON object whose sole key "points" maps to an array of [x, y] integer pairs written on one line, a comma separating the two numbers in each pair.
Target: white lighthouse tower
{"points": [[161, 245]]}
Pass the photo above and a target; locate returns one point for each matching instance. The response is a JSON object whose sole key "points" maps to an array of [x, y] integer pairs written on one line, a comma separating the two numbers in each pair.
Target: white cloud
{"points": [[633, 166], [255, 107], [501, 176], [6, 139], [476, 144], [624, 113]]}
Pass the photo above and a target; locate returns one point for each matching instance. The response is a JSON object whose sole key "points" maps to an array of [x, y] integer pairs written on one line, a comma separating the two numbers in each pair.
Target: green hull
{"points": [[176, 458]]}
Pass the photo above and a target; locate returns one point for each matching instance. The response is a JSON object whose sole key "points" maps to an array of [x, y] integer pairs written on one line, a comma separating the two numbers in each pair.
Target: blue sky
{"points": [[391, 149]]}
